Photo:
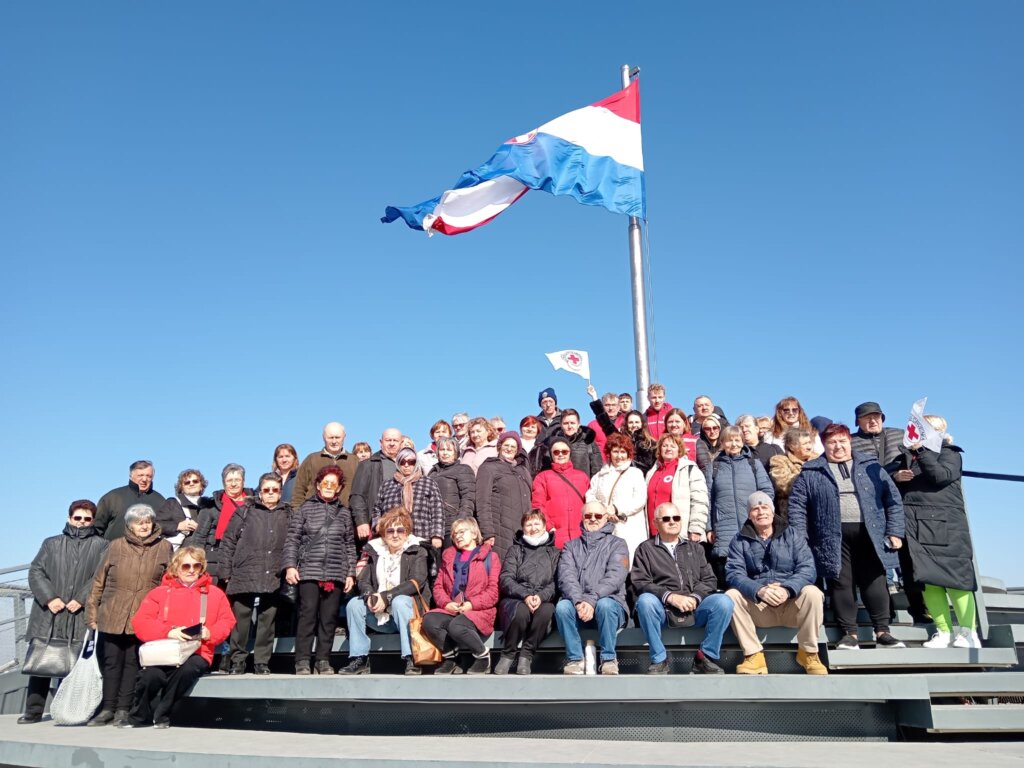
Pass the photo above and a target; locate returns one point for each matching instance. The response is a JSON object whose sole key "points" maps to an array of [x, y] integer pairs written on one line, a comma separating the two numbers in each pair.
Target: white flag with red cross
{"points": [[920, 431], [573, 360]]}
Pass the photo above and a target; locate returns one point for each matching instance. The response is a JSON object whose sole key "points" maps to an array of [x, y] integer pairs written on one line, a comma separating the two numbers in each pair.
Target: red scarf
{"points": [[659, 489], [227, 509]]}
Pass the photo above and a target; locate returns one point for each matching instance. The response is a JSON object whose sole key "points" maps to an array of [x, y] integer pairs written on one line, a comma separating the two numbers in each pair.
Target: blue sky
{"points": [[195, 270]]}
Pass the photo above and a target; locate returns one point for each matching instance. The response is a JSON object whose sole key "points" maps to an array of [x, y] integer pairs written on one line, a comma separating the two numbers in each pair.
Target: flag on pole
{"points": [[593, 154], [919, 430], [573, 360]]}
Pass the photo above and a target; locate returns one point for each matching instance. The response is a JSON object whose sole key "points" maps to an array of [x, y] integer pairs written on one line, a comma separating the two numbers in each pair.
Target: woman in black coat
{"points": [[456, 482], [939, 538], [527, 588], [60, 578], [503, 491], [251, 553], [635, 428], [320, 556], [178, 517]]}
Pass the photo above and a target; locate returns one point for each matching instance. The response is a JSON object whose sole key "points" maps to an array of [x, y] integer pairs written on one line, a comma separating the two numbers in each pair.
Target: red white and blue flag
{"points": [[593, 154]]}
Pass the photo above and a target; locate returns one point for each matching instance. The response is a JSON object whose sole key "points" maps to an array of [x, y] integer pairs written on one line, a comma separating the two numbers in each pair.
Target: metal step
{"points": [[964, 718], [999, 651]]}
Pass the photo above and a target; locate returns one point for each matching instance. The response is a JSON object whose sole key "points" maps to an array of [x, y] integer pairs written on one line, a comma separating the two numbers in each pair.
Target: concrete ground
{"points": [[46, 744]]}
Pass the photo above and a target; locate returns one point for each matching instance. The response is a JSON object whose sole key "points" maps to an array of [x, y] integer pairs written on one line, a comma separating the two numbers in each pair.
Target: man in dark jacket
{"points": [[333, 453], [370, 475], [592, 579], [872, 438], [550, 416], [771, 574], [674, 583], [60, 578], [113, 504]]}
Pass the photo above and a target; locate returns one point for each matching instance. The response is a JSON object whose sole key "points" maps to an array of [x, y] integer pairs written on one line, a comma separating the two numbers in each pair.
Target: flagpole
{"points": [[636, 268]]}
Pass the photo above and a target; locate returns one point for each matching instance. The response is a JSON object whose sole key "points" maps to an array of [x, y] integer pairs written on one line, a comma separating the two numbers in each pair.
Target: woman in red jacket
{"points": [[466, 593], [166, 612], [559, 493]]}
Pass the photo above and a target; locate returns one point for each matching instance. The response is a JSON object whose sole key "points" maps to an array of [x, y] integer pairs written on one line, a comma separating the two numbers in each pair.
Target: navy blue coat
{"points": [[755, 562], [733, 479], [814, 510]]}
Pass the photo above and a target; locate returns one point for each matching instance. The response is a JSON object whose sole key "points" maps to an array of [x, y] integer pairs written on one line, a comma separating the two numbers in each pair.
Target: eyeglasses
{"points": [[593, 516], [190, 567], [460, 534], [400, 531], [192, 481], [407, 463], [81, 519], [270, 490], [789, 410], [671, 519], [560, 453], [711, 428], [328, 483]]}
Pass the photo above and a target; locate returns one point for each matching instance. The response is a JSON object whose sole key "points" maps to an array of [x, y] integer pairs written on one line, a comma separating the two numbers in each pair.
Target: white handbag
{"points": [[81, 691], [169, 652]]}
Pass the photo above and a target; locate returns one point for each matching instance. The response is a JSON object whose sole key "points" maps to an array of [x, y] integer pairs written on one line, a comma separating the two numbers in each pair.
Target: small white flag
{"points": [[920, 431], [573, 360]]}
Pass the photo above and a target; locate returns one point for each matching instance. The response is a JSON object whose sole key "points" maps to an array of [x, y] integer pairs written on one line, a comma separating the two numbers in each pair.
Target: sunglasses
{"points": [[407, 463], [269, 489], [593, 516], [560, 453], [789, 410], [189, 567], [81, 519], [671, 519], [192, 481], [400, 531]]}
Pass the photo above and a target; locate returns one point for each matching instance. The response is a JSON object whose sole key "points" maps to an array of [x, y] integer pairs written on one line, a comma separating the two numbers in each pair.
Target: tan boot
{"points": [[811, 663], [753, 664]]}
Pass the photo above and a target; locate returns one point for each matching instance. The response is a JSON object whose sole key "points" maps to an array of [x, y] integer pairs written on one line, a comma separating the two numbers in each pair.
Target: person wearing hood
{"points": [[456, 482], [185, 597], [592, 574], [503, 492], [394, 568], [320, 557], [213, 521], [251, 565], [114, 504], [60, 577], [771, 575], [527, 588], [621, 487], [417, 495], [559, 492], [133, 565], [735, 474], [178, 517]]}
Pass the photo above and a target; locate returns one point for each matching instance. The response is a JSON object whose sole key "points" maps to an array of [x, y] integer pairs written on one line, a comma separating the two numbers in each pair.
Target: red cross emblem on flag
{"points": [[912, 432], [573, 359]]}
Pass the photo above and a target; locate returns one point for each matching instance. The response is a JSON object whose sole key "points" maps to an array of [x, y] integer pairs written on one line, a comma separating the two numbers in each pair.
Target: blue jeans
{"points": [[608, 618], [359, 618], [714, 612]]}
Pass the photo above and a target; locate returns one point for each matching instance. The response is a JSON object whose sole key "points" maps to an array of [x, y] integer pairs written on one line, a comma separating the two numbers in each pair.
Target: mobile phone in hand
{"points": [[194, 631]]}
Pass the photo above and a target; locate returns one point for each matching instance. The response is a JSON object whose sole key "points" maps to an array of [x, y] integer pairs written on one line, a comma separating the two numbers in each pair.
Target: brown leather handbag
{"points": [[424, 652]]}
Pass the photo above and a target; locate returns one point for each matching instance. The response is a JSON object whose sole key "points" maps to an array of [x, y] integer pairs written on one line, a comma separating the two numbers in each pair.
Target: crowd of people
{"points": [[656, 516]]}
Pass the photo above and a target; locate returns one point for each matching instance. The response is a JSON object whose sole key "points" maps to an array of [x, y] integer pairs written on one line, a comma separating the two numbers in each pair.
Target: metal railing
{"points": [[14, 593]]}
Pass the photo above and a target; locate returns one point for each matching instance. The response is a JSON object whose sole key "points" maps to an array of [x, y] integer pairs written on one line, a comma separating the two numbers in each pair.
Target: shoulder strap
{"points": [[611, 493], [487, 562], [568, 482]]}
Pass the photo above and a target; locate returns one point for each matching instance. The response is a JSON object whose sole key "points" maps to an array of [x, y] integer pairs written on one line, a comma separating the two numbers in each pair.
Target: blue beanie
{"points": [[549, 392]]}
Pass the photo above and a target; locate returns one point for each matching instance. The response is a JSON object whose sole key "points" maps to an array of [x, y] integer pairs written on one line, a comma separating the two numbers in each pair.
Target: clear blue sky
{"points": [[195, 271]]}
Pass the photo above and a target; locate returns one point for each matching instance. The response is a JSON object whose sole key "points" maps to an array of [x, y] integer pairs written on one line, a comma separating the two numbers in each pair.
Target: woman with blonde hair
{"points": [[788, 414], [481, 444]]}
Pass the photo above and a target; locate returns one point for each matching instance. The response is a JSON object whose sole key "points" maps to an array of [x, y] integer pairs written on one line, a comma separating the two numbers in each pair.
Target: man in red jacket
{"points": [[657, 410]]}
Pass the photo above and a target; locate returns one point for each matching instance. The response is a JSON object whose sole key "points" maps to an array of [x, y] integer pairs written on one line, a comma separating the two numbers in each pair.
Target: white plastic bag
{"points": [[81, 691]]}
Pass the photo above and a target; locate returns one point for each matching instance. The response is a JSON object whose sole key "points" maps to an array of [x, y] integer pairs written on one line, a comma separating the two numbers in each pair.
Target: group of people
{"points": [[671, 518]]}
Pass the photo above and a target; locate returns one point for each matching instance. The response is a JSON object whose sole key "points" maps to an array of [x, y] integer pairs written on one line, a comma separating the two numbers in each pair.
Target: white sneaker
{"points": [[966, 638], [939, 640]]}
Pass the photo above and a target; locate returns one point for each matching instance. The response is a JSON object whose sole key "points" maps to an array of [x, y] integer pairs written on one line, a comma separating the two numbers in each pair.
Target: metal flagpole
{"points": [[636, 268]]}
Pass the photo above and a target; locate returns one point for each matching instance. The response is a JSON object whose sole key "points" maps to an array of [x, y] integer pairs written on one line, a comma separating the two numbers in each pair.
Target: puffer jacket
{"points": [[784, 557], [457, 484], [131, 568], [64, 568], [886, 446], [414, 566], [938, 536], [173, 604], [251, 550], [481, 587], [427, 509], [205, 535], [327, 557], [814, 510], [657, 572], [593, 566], [559, 494], [689, 494], [625, 491], [529, 569], [783, 470], [503, 493], [733, 479]]}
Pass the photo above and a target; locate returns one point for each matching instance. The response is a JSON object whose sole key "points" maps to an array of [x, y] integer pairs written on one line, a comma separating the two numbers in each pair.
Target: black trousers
{"points": [[860, 567], [318, 616], [913, 591], [266, 615], [160, 688], [38, 690], [119, 662], [528, 628], [453, 633]]}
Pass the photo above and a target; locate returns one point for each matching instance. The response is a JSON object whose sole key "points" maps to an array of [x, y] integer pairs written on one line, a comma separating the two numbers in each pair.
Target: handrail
{"points": [[15, 568]]}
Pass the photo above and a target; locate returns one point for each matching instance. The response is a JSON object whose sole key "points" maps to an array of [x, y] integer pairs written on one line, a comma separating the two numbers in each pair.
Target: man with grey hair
{"points": [[606, 414], [332, 454], [764, 451], [110, 511], [592, 580], [370, 475], [460, 423]]}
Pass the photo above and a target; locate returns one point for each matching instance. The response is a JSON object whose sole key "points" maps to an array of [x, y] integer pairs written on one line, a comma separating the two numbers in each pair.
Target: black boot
{"points": [[357, 665]]}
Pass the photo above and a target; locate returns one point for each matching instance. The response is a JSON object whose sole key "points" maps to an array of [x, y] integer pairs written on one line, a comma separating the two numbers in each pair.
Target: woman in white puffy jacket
{"points": [[622, 488]]}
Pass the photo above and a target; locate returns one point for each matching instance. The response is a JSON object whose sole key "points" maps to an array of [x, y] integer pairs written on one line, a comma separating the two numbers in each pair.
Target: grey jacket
{"points": [[594, 566]]}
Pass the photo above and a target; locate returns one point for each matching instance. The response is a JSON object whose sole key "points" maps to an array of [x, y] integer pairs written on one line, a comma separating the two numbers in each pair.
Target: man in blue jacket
{"points": [[592, 580], [770, 570]]}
